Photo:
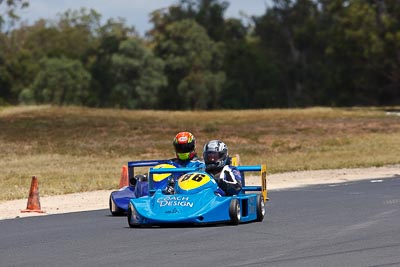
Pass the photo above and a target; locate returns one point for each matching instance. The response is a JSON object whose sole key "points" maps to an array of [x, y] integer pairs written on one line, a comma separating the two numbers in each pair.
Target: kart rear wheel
{"points": [[114, 209], [234, 211], [260, 208]]}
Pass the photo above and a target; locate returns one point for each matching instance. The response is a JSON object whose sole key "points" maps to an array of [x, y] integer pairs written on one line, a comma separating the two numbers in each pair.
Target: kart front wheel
{"points": [[234, 211], [260, 208], [114, 209], [131, 215]]}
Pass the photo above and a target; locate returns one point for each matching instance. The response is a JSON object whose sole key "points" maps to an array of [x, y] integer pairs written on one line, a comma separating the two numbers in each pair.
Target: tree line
{"points": [[298, 53]]}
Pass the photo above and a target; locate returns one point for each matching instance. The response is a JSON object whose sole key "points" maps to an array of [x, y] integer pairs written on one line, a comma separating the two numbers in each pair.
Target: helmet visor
{"points": [[212, 156], [184, 148], [183, 156]]}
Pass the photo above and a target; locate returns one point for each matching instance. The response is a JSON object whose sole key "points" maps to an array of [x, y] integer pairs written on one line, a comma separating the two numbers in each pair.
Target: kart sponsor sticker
{"points": [[174, 210], [173, 201]]}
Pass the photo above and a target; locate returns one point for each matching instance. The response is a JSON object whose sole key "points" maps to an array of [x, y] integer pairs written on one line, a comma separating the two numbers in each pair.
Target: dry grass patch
{"points": [[80, 149]]}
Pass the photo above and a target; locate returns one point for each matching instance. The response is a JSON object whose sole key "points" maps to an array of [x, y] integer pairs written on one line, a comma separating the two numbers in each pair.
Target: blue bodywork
{"points": [[195, 201], [119, 199]]}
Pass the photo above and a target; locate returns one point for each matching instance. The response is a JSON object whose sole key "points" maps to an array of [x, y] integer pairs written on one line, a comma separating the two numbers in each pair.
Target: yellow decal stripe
{"points": [[161, 176]]}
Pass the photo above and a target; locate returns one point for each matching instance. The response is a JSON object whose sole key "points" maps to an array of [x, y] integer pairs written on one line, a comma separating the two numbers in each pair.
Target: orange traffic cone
{"points": [[33, 199], [124, 177]]}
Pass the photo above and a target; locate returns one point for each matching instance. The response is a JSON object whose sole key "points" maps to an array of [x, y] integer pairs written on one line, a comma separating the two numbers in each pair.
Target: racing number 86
{"points": [[194, 177]]}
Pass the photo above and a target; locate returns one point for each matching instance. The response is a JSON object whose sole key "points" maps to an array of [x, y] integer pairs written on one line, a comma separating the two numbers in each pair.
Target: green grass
{"points": [[80, 149]]}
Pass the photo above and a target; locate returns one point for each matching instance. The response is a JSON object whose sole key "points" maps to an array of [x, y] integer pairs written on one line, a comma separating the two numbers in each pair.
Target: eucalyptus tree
{"points": [[289, 30], [138, 76], [5, 82], [77, 33], [99, 59], [207, 13], [387, 15], [8, 17], [193, 66], [60, 81], [71, 36], [8, 12], [363, 49]]}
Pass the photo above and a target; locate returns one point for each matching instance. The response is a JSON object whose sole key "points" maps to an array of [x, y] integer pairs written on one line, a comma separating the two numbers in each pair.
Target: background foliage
{"points": [[298, 53]]}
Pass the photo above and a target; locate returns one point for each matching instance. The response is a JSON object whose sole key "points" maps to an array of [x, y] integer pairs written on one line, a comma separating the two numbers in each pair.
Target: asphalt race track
{"points": [[354, 224]]}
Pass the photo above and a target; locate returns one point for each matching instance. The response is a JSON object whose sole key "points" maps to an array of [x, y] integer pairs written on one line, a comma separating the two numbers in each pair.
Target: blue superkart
{"points": [[139, 183], [195, 200]]}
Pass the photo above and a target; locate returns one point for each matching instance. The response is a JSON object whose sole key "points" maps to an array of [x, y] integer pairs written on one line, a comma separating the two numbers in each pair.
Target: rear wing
{"points": [[262, 169], [235, 160]]}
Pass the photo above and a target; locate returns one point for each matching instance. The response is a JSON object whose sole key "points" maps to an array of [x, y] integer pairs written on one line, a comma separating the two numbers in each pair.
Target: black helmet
{"points": [[215, 155]]}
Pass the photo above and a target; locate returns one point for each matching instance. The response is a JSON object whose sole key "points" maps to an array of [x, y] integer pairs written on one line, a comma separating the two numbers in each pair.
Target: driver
{"points": [[216, 159], [185, 150]]}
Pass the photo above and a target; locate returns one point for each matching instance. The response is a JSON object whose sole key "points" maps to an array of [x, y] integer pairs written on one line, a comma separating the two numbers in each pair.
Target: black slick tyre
{"points": [[260, 208], [115, 211], [131, 212], [234, 211]]}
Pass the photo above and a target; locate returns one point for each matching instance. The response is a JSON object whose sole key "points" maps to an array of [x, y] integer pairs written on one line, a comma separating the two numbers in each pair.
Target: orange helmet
{"points": [[185, 146]]}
